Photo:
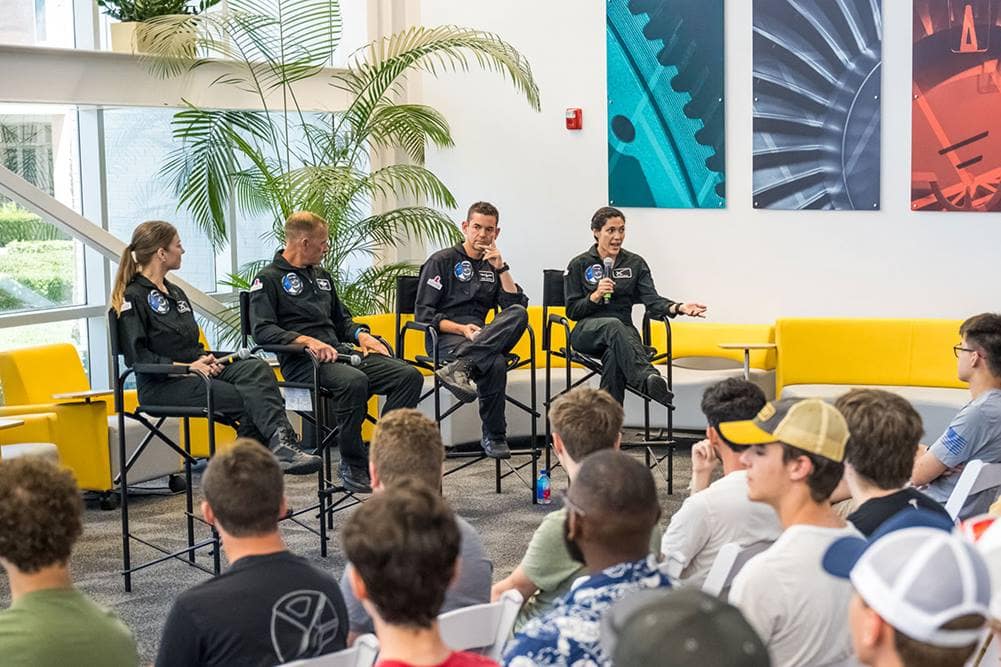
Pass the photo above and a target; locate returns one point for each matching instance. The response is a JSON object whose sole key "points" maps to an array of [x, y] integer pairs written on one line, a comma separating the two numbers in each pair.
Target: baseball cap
{"points": [[985, 532], [693, 628], [917, 575], [807, 423]]}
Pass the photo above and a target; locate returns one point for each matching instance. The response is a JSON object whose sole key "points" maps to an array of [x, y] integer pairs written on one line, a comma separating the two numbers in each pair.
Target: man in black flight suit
{"points": [[457, 287], [293, 302], [602, 306]]}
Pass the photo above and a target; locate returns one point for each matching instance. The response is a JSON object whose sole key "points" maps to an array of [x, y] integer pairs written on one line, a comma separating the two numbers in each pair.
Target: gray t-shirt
{"points": [[472, 586], [974, 433]]}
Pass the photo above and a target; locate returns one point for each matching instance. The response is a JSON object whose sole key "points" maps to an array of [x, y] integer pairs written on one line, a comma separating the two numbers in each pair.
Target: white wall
{"points": [[747, 265]]}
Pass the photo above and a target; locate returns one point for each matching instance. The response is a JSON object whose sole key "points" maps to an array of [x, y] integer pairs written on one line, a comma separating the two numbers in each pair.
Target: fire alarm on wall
{"points": [[575, 119]]}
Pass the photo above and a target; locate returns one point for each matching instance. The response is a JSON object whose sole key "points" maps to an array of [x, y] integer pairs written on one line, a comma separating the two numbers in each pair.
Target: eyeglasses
{"points": [[956, 349]]}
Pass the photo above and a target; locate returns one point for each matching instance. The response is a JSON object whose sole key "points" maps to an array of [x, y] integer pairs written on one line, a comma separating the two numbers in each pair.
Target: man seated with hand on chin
{"points": [[456, 289]]}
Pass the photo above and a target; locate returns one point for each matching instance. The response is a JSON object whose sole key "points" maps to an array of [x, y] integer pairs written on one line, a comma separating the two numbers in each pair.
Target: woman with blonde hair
{"points": [[157, 326]]}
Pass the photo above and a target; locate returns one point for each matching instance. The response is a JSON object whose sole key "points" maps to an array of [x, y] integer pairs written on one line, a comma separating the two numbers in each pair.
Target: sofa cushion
{"points": [[936, 405]]}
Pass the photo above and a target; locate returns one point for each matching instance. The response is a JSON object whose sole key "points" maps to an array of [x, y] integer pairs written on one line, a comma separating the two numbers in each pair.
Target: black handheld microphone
{"points": [[352, 359], [242, 353], [608, 274]]}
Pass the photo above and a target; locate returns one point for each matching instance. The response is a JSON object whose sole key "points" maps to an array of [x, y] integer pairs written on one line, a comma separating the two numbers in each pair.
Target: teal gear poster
{"points": [[666, 129]]}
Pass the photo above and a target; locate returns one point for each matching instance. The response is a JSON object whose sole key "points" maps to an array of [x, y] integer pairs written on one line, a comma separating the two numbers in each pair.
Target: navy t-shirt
{"points": [[871, 514], [264, 610]]}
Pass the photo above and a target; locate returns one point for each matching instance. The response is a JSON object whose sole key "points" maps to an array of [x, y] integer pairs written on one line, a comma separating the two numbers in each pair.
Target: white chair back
{"points": [[977, 476], [729, 560], [481, 628], [362, 654], [988, 653]]}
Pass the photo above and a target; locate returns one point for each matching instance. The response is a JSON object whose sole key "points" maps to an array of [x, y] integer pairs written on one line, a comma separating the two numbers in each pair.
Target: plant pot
{"points": [[132, 37]]}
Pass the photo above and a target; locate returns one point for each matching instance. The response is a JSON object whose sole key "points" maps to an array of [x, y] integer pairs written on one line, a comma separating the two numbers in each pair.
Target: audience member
{"points": [[404, 546], [611, 511], [793, 465], [719, 513], [584, 420], [270, 606], [921, 594], [693, 628], [985, 531], [884, 434], [407, 446], [50, 623], [974, 433]]}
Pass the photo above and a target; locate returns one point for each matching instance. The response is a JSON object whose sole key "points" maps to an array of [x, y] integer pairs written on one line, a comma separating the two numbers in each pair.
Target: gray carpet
{"points": [[505, 521]]}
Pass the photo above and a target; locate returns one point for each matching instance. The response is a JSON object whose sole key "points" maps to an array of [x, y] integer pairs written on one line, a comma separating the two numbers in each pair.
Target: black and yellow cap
{"points": [[807, 423]]}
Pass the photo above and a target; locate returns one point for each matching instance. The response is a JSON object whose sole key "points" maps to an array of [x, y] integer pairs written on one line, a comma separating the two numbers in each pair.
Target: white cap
{"points": [[919, 579]]}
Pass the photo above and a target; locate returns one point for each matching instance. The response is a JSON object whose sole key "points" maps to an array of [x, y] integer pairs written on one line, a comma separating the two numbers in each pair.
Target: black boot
{"points": [[355, 478], [285, 446], [656, 388], [457, 376], [496, 448]]}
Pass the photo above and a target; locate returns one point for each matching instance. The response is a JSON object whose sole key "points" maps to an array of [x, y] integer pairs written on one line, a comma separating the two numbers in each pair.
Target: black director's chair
{"points": [[406, 301], [553, 297], [323, 435], [152, 418]]}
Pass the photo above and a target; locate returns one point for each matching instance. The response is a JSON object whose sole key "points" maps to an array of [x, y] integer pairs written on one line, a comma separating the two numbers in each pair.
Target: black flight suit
{"points": [[606, 329], [453, 286], [287, 302], [158, 328]]}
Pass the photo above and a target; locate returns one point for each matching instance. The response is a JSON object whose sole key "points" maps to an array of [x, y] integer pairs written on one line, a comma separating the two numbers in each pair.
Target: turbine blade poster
{"points": [[665, 103], [817, 104], [956, 107]]}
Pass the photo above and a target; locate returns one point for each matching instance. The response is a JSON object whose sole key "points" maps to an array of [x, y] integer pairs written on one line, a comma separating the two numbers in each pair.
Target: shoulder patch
{"points": [[463, 271], [126, 305], [323, 284], [158, 303], [435, 282], [183, 306], [258, 285], [292, 283]]}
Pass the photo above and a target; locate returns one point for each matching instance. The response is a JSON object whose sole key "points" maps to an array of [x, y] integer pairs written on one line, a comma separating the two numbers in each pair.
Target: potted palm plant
{"points": [[282, 159], [129, 34]]}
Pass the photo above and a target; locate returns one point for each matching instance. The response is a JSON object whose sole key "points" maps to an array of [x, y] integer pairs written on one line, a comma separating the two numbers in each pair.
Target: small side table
{"points": [[747, 347]]}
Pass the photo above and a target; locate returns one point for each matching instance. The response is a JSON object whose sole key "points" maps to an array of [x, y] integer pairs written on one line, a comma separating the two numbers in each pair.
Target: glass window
{"points": [[37, 23], [137, 142], [41, 267], [49, 333]]}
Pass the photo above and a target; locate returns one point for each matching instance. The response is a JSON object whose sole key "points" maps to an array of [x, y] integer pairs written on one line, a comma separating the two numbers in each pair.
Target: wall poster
{"points": [[665, 103], [956, 112], [817, 104]]}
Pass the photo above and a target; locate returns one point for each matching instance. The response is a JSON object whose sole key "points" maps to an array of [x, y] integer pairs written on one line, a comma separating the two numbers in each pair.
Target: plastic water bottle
{"points": [[543, 488]]}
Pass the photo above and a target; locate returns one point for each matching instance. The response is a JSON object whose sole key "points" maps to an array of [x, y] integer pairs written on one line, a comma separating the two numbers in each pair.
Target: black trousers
{"points": [[486, 354], [245, 392], [350, 388], [624, 358]]}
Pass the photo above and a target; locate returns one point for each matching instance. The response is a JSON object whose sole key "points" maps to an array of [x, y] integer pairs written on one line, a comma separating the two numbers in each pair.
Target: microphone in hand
{"points": [[352, 359], [608, 274], [242, 353]]}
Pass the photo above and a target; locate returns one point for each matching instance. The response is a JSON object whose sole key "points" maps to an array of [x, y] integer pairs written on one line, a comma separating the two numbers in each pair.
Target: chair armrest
{"points": [[417, 326], [556, 318], [162, 369]]}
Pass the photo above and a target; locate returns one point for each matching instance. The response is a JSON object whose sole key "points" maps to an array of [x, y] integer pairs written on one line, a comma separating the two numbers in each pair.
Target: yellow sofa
{"points": [[824, 358], [83, 428]]}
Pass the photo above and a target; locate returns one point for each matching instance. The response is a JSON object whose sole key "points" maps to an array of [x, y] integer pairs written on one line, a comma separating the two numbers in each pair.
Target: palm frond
{"points": [[411, 127], [372, 290]]}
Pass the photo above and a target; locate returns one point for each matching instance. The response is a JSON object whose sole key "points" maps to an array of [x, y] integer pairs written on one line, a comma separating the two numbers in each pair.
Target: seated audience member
{"points": [[985, 531], [921, 594], [403, 544], [719, 513], [794, 464], [584, 420], [270, 606], [611, 512], [879, 456], [693, 628], [49, 622], [407, 446], [975, 432]]}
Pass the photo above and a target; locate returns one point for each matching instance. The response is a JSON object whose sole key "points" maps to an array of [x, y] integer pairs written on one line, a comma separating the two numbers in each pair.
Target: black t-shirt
{"points": [[871, 514], [264, 610]]}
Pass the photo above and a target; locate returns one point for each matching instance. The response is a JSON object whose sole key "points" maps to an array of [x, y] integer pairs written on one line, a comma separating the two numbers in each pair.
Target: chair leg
{"points": [[497, 475], [189, 501], [216, 543], [124, 505]]}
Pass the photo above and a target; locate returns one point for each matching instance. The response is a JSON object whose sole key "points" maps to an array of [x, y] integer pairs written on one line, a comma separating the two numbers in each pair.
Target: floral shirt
{"points": [[568, 636]]}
